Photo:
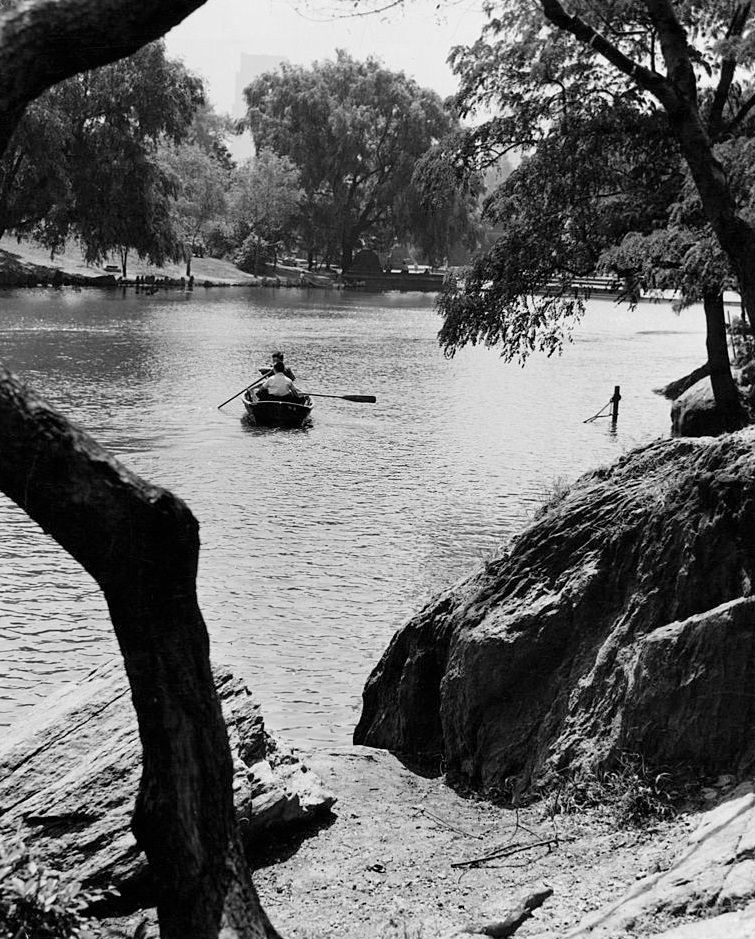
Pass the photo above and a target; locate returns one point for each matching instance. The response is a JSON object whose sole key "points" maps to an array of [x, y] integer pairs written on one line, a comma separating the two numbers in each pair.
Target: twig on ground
{"points": [[504, 852], [535, 834], [446, 824]]}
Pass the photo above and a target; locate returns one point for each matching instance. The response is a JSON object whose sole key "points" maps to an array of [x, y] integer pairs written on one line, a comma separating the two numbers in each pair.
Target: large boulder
{"points": [[621, 620], [694, 413], [69, 775]]}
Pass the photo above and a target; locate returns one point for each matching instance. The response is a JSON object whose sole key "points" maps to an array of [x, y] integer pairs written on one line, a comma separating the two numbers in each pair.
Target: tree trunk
{"points": [[347, 256], [677, 93], [735, 235], [141, 544], [124, 260], [728, 403]]}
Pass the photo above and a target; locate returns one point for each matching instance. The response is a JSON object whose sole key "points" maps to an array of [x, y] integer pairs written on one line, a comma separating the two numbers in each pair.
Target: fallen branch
{"points": [[509, 925], [442, 821], [505, 851]]}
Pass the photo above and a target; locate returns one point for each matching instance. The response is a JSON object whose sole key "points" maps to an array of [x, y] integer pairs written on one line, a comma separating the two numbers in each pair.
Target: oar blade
{"points": [[364, 399]]}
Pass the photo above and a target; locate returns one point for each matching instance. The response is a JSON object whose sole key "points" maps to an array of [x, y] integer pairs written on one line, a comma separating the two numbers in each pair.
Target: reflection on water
{"points": [[317, 542]]}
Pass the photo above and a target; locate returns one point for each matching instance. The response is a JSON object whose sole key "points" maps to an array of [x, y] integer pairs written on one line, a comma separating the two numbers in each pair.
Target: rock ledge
{"points": [[69, 775]]}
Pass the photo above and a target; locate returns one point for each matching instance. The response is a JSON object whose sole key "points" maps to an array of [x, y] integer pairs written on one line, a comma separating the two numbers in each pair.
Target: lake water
{"points": [[318, 543]]}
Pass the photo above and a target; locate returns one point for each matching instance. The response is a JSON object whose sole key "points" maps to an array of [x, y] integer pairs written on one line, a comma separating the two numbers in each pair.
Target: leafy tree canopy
{"points": [[83, 159], [200, 181], [355, 130], [265, 200], [602, 185], [210, 130], [587, 184]]}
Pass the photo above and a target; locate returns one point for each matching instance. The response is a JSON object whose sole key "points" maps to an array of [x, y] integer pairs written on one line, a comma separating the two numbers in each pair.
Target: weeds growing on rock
{"points": [[556, 493], [37, 903], [636, 793]]}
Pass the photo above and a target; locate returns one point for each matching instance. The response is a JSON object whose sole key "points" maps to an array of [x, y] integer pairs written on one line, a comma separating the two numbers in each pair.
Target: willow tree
{"points": [[354, 130], [138, 541]]}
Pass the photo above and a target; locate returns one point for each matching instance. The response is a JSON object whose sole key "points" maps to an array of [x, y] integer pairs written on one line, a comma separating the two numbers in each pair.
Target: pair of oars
{"points": [[362, 399]]}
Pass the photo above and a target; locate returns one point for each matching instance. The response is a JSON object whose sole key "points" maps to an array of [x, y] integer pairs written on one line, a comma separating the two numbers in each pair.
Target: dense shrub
{"points": [[35, 902]]}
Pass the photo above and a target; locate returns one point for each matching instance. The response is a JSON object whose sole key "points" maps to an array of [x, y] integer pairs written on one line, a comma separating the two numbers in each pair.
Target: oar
{"points": [[365, 399], [248, 387]]}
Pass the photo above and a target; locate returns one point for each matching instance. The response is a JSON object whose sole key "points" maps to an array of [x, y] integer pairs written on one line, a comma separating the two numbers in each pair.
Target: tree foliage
{"points": [[670, 81], [200, 182], [355, 130], [589, 182], [83, 160], [684, 255], [265, 199]]}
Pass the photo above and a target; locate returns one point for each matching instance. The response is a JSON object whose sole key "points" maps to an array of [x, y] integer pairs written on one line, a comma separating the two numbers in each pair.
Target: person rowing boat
{"points": [[278, 357], [279, 385]]}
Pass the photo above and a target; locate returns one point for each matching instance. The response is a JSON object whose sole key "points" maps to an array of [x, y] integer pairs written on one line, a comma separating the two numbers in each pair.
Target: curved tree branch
{"points": [[647, 80], [139, 542], [728, 67], [43, 42]]}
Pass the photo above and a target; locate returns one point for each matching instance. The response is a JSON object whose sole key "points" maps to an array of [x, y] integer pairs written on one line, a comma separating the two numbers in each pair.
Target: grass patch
{"points": [[635, 793], [553, 495]]}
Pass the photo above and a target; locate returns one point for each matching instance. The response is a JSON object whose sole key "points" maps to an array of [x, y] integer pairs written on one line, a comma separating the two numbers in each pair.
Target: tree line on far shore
{"points": [[131, 159]]}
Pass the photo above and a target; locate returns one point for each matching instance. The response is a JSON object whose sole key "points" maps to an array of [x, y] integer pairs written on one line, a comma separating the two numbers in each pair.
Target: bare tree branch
{"points": [[728, 67], [139, 542]]}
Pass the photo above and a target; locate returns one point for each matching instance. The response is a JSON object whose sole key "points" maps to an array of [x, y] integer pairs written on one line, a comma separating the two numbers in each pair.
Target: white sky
{"points": [[415, 37]]}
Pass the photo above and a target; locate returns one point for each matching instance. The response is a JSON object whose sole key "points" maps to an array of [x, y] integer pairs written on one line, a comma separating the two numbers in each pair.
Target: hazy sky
{"points": [[415, 37]]}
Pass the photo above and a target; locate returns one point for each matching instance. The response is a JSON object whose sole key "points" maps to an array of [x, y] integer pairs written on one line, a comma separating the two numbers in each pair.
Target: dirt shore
{"points": [[385, 865]]}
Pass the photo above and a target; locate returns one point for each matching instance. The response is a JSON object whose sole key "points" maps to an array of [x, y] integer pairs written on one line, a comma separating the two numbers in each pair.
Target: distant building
{"points": [[250, 67]]}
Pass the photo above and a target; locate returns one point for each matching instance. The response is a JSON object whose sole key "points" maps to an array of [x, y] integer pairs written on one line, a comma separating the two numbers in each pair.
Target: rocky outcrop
{"points": [[621, 620], [693, 411], [710, 885], [70, 772]]}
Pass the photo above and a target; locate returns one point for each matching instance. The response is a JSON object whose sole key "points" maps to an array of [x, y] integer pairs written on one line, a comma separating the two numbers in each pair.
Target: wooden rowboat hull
{"points": [[271, 413]]}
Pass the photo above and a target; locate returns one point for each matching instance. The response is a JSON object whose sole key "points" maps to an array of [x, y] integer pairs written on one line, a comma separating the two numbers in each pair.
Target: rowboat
{"points": [[273, 412]]}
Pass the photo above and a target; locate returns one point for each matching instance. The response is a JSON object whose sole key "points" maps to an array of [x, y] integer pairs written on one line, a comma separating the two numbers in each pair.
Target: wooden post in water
{"points": [[615, 404]]}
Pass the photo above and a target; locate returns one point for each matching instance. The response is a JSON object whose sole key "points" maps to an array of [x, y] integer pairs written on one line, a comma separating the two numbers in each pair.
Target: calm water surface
{"points": [[316, 544]]}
